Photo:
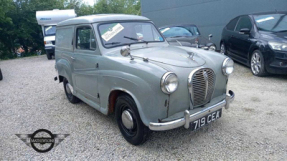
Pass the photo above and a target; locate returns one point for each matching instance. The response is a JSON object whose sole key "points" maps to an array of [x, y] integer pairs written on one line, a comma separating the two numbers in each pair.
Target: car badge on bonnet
{"points": [[191, 54]]}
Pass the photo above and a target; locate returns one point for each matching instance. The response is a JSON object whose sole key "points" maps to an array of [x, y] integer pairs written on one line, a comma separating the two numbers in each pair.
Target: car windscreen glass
{"points": [[179, 31], [123, 33], [50, 30], [271, 22]]}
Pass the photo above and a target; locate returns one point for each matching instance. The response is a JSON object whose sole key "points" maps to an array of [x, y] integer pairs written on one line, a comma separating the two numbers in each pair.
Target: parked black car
{"points": [[1, 76], [258, 41], [186, 35]]}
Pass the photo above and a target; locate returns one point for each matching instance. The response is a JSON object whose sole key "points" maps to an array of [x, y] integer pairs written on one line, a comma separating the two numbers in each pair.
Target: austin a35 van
{"points": [[122, 64]]}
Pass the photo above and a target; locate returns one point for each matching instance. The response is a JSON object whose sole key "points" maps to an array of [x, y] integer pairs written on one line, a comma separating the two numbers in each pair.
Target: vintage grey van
{"points": [[122, 64]]}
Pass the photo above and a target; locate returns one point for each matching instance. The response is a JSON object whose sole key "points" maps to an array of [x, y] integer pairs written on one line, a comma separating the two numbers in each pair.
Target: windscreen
{"points": [[123, 33], [179, 31], [271, 22], [50, 30]]}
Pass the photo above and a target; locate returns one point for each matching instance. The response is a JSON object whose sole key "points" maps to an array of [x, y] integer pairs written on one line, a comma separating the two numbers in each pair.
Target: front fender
{"points": [[140, 79], [150, 100]]}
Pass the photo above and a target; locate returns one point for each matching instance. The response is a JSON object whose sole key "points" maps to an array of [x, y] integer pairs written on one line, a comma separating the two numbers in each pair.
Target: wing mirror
{"points": [[244, 31], [126, 51], [210, 36]]}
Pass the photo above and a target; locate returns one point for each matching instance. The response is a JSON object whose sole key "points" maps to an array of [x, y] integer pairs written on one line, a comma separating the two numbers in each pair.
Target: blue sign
{"points": [[45, 19]]}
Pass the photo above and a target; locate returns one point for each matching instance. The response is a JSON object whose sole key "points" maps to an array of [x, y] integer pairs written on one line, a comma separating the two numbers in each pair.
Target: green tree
{"points": [[118, 6], [19, 27]]}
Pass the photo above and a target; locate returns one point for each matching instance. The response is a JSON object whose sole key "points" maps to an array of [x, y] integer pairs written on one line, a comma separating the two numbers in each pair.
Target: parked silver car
{"points": [[122, 64]]}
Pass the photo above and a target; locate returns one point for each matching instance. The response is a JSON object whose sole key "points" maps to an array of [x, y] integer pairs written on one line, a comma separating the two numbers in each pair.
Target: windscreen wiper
{"points": [[135, 39], [178, 36], [281, 31], [112, 43]]}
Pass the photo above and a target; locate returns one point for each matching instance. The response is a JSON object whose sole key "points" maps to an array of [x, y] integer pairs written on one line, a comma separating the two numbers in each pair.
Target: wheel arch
{"points": [[114, 94], [255, 46], [64, 71]]}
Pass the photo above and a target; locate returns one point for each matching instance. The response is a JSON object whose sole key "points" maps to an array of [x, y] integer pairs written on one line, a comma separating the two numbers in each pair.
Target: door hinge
{"points": [[97, 65], [98, 95]]}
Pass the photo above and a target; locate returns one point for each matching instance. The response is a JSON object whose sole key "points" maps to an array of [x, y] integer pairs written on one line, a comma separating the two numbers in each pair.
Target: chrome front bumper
{"points": [[185, 121]]}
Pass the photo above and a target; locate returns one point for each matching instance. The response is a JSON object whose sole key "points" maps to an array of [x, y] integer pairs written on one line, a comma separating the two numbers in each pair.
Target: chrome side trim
{"points": [[185, 121]]}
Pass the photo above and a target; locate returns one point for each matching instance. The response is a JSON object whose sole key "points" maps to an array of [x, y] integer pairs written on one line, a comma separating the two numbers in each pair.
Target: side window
{"points": [[64, 37], [244, 22], [231, 25], [85, 39]]}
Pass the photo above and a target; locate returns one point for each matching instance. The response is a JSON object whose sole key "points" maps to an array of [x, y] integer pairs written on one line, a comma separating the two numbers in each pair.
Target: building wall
{"points": [[209, 15]]}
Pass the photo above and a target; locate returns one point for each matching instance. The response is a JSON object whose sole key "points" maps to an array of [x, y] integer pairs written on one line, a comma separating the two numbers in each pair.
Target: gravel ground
{"points": [[254, 128]]}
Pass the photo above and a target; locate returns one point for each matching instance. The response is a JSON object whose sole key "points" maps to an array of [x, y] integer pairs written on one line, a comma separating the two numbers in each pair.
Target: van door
{"points": [[85, 63]]}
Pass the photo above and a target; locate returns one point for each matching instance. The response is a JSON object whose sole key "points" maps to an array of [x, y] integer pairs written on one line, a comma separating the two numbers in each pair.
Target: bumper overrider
{"points": [[188, 118]]}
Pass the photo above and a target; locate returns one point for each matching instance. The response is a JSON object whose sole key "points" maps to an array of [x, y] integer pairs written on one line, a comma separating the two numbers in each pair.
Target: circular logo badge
{"points": [[42, 140]]}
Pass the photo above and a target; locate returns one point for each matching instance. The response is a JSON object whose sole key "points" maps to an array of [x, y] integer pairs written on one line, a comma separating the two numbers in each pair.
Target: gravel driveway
{"points": [[254, 128]]}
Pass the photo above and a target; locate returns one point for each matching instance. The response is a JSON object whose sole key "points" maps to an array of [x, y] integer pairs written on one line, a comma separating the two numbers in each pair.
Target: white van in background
{"points": [[48, 21]]}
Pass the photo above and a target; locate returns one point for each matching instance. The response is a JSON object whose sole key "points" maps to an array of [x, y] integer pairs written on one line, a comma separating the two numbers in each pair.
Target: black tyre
{"points": [[68, 90], [49, 56], [223, 49], [257, 64], [1, 76], [129, 121]]}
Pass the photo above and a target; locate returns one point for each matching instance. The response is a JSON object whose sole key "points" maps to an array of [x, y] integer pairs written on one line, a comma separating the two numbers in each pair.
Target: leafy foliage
{"points": [[18, 24]]}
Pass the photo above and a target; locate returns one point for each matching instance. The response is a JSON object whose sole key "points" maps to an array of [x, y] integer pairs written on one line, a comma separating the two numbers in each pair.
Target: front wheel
{"points": [[129, 121], [49, 56], [257, 64], [69, 92]]}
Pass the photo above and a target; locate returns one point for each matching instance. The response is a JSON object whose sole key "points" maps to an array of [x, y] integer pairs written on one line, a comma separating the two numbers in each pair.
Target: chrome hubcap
{"points": [[212, 48], [127, 119], [255, 63], [69, 88], [222, 49]]}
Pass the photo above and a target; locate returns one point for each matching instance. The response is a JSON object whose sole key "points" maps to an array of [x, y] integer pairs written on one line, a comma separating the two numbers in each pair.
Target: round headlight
{"points": [[169, 83], [212, 48], [227, 66]]}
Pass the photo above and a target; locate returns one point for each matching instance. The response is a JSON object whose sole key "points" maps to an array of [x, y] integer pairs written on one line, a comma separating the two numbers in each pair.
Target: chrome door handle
{"points": [[72, 58]]}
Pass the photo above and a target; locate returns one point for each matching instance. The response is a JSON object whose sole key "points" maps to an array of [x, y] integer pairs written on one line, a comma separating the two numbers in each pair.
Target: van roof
{"points": [[101, 18]]}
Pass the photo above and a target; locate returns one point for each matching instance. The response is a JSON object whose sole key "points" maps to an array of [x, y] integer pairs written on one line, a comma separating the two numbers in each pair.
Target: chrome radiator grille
{"points": [[201, 86]]}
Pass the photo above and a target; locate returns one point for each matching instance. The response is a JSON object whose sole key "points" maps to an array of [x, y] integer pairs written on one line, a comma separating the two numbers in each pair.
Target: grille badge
{"points": [[205, 76]]}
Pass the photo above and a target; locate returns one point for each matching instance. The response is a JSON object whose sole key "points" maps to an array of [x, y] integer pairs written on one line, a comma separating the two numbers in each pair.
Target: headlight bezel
{"points": [[226, 65], [163, 82], [279, 46]]}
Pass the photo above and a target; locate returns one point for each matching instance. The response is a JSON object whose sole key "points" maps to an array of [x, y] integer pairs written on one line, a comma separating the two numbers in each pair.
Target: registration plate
{"points": [[196, 124]]}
